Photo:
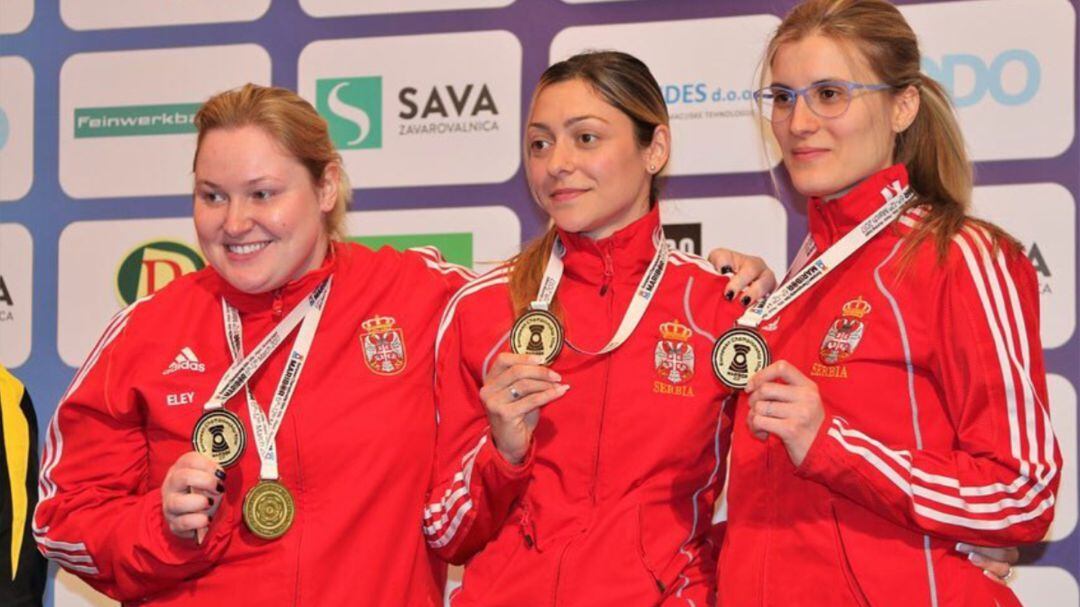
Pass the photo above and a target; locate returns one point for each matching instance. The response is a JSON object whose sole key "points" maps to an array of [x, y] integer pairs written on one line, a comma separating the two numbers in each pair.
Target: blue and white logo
{"points": [[1010, 78]]}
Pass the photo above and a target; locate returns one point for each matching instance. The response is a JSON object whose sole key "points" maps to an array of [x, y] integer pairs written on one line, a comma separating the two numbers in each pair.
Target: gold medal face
{"points": [[268, 510], [220, 436], [537, 333], [737, 355]]}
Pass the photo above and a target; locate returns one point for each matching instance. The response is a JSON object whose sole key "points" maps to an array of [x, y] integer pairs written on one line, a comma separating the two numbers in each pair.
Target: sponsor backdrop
{"points": [[425, 99]]}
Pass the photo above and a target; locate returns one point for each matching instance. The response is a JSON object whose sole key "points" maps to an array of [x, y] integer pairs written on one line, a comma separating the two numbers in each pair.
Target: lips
{"points": [[246, 248], [566, 194], [808, 153]]}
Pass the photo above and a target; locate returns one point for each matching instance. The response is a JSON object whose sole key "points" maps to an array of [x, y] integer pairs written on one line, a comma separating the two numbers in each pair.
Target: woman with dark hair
{"points": [[581, 466], [907, 408]]}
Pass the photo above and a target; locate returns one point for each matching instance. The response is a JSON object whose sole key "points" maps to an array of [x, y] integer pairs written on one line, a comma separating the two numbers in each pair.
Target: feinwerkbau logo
{"points": [[135, 120], [353, 109]]}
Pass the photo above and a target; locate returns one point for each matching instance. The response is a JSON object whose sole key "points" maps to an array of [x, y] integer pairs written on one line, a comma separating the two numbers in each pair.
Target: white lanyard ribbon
{"points": [[799, 282], [650, 281], [265, 430]]}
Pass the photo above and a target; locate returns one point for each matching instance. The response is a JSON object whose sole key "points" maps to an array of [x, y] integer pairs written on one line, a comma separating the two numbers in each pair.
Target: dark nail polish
{"points": [[220, 474], [745, 300], [211, 500], [209, 517], [729, 295], [726, 270], [220, 488]]}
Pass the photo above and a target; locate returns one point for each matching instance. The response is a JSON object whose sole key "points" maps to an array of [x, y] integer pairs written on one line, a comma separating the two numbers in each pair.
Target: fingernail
{"points": [[564, 387], [745, 300], [554, 376], [725, 270], [220, 488], [536, 360], [211, 500], [209, 517], [962, 547], [220, 474], [729, 295], [974, 557]]}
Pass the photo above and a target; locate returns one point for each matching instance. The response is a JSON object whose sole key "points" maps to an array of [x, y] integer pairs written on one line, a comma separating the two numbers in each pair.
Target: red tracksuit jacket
{"points": [[614, 502], [354, 448], [936, 430]]}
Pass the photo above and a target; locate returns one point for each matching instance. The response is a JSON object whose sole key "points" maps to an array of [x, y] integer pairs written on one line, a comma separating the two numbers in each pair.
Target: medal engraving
{"points": [[737, 355], [220, 436], [268, 510], [537, 333]]}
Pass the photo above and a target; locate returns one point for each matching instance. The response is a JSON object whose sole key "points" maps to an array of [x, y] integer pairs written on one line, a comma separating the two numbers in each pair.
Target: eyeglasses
{"points": [[828, 99]]}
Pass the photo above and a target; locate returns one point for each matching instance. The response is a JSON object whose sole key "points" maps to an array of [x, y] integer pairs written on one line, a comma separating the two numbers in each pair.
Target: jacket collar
{"points": [[623, 255], [281, 300], [832, 219]]}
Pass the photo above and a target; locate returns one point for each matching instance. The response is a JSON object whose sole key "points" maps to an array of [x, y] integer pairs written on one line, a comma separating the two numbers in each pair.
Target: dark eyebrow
{"points": [[569, 122]]}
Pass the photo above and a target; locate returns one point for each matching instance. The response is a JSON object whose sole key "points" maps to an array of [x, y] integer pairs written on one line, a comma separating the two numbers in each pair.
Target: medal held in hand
{"points": [[738, 355], [268, 509], [539, 333], [219, 435]]}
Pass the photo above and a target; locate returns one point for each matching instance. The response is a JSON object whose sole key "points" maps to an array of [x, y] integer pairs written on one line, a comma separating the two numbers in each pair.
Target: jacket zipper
{"points": [[609, 271], [604, 291]]}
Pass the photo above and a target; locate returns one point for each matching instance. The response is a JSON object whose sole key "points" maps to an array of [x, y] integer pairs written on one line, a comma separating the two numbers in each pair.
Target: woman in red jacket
{"points": [[311, 461], [907, 409], [605, 495]]}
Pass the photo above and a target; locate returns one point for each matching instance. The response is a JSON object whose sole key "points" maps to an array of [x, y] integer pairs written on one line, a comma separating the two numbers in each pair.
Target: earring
{"points": [[652, 168]]}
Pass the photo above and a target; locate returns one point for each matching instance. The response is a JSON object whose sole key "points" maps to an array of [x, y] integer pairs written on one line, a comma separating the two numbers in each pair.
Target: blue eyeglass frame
{"points": [[850, 86]]}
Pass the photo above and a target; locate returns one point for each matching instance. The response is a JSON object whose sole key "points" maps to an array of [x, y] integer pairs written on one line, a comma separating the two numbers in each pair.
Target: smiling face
{"points": [[583, 162], [258, 213], [825, 156]]}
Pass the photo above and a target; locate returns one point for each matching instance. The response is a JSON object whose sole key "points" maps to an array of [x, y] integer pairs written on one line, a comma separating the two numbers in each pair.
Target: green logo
{"points": [[456, 247], [134, 120], [149, 267], [353, 109]]}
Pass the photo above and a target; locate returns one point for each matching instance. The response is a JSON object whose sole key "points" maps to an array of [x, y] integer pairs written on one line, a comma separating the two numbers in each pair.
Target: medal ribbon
{"points": [[650, 281], [265, 430], [801, 281]]}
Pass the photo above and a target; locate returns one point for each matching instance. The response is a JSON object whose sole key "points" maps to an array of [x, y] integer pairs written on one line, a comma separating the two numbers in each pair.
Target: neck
{"points": [[632, 214]]}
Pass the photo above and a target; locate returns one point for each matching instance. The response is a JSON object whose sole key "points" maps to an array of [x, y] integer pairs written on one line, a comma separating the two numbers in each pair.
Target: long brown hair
{"points": [[624, 82], [293, 123], [932, 148]]}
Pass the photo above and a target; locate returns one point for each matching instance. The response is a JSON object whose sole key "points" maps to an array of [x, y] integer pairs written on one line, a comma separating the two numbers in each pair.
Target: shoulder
{"points": [[687, 265], [484, 295]]}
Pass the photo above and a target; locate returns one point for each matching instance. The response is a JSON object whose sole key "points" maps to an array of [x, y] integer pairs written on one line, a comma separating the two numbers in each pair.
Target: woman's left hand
{"points": [[786, 403], [996, 563], [751, 279]]}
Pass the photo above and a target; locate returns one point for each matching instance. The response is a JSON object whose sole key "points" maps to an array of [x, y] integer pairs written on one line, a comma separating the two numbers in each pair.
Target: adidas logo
{"points": [[185, 361]]}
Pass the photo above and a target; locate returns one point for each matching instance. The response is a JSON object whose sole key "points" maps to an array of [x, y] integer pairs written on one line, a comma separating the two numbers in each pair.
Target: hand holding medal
{"points": [[786, 403], [191, 494], [514, 389]]}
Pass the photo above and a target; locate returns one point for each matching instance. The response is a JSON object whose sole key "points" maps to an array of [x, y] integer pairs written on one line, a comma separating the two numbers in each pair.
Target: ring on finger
{"points": [[514, 394]]}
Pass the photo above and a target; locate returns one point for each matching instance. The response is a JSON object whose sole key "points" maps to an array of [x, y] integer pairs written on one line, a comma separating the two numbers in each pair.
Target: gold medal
{"points": [[220, 436], [538, 333], [737, 355], [268, 510]]}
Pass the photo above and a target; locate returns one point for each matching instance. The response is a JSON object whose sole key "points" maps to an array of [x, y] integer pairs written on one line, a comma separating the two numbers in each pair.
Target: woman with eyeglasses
{"points": [[904, 413]]}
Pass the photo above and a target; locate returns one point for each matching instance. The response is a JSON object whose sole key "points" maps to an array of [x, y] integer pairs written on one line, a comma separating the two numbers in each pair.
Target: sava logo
{"points": [[353, 110], [185, 361]]}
